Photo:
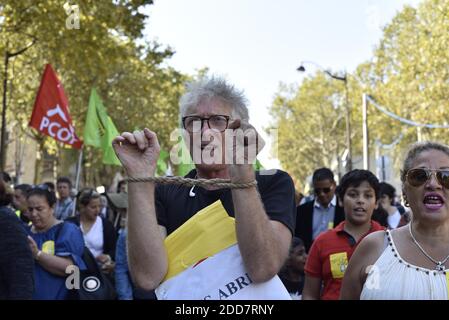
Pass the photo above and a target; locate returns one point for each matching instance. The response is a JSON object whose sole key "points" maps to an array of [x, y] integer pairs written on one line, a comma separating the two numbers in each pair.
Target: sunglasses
{"points": [[323, 190], [418, 177], [87, 193]]}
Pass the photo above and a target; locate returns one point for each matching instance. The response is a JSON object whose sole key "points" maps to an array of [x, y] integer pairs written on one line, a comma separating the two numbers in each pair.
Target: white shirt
{"points": [[394, 219], [94, 238]]}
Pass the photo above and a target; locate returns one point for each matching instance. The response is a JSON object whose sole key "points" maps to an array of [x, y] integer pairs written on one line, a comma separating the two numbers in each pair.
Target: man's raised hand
{"points": [[138, 152]]}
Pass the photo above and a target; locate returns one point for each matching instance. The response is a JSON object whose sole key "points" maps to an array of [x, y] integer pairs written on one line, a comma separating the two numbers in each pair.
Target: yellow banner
{"points": [[208, 232]]}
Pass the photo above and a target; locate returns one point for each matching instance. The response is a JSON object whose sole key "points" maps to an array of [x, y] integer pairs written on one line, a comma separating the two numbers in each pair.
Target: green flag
{"points": [[162, 166], [186, 164], [99, 130], [257, 165]]}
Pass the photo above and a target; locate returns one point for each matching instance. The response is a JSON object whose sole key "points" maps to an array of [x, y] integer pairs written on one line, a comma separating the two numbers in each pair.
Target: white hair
{"points": [[213, 87]]}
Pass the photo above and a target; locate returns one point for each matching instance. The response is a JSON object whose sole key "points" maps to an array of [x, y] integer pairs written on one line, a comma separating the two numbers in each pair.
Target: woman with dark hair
{"points": [[54, 245], [410, 262], [98, 232], [387, 196], [16, 261]]}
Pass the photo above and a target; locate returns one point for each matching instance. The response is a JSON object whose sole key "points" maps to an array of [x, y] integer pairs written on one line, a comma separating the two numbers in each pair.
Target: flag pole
{"points": [[77, 180]]}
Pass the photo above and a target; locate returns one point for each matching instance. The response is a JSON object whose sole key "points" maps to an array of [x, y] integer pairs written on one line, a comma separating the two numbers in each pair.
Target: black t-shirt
{"points": [[16, 260], [293, 286], [175, 204]]}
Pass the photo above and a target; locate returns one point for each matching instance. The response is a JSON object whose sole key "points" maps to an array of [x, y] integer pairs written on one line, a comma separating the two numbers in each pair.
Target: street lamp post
{"points": [[343, 78]]}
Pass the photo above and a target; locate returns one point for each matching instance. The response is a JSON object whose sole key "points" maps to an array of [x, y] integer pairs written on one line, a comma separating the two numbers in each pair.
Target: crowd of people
{"points": [[56, 231], [351, 240]]}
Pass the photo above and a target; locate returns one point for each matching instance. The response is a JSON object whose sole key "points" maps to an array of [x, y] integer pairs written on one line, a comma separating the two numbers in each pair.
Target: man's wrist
{"points": [[242, 173], [141, 173]]}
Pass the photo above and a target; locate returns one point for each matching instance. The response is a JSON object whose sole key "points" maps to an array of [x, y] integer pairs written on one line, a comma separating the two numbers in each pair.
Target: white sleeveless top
{"points": [[392, 278], [94, 238]]}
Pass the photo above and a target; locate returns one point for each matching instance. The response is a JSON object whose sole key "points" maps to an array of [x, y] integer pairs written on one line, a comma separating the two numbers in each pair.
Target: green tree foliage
{"points": [[408, 74], [107, 52], [310, 125]]}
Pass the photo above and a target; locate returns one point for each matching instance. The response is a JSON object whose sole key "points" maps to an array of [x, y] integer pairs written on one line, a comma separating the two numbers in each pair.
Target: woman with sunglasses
{"points": [[410, 262], [394, 218], [54, 246], [99, 233]]}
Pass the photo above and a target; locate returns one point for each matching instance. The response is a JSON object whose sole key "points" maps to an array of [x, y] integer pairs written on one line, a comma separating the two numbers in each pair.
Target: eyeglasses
{"points": [[324, 190], [217, 122], [417, 177]]}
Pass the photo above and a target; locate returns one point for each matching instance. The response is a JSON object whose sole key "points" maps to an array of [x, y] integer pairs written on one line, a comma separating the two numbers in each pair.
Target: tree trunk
{"points": [[38, 164]]}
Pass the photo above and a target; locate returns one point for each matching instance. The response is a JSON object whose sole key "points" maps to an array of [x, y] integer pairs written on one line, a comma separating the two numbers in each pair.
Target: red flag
{"points": [[51, 111]]}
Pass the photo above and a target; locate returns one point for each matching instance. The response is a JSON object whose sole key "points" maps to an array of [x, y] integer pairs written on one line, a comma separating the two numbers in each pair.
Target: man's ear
{"points": [[377, 204]]}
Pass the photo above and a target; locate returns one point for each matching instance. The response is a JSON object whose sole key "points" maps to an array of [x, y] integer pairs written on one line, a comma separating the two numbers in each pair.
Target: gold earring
{"points": [[406, 202]]}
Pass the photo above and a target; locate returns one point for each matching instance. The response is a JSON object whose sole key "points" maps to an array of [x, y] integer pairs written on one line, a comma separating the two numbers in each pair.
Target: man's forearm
{"points": [[147, 255], [261, 248]]}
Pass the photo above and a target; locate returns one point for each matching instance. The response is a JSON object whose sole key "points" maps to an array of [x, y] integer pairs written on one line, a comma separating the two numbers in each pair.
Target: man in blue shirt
{"points": [[321, 214], [65, 204]]}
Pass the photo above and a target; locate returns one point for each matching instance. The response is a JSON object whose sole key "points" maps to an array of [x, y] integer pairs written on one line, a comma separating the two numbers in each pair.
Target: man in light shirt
{"points": [[321, 214], [64, 205]]}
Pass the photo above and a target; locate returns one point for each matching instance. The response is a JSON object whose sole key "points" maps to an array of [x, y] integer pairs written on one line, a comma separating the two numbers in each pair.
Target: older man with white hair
{"points": [[212, 113]]}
